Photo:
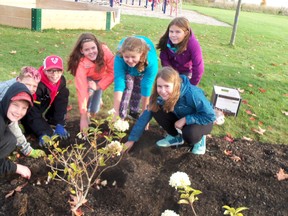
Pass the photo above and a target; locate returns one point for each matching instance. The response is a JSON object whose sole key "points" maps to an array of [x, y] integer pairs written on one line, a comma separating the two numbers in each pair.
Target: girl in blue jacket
{"points": [[135, 69], [181, 109]]}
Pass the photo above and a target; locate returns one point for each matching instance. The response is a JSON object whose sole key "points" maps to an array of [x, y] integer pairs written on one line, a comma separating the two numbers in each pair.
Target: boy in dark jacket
{"points": [[50, 105], [13, 107]]}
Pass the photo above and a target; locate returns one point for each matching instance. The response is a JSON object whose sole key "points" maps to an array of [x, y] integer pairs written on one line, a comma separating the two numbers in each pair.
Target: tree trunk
{"points": [[233, 36]]}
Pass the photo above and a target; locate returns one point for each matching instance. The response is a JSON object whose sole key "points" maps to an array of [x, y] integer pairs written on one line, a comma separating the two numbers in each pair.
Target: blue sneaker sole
{"points": [[170, 145]]}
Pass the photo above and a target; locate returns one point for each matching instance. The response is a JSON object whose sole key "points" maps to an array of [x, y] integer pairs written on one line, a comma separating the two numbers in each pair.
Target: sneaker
{"points": [[133, 115], [169, 141], [200, 147]]}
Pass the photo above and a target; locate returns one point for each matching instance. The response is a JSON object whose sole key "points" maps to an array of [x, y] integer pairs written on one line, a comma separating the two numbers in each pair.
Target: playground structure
{"points": [[173, 6], [38, 15]]}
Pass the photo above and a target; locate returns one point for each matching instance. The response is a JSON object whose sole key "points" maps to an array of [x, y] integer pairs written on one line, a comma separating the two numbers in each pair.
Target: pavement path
{"points": [[192, 16]]}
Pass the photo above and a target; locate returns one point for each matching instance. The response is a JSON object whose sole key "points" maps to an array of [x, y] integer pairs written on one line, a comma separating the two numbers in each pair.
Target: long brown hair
{"points": [[134, 44], [76, 54], [168, 74], [182, 23]]}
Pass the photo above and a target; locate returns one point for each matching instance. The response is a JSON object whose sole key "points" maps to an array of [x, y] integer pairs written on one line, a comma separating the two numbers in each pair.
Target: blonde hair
{"points": [[134, 44], [168, 74], [28, 71]]}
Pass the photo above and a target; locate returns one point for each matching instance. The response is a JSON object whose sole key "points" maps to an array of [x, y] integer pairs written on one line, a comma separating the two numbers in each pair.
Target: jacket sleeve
{"points": [[119, 74], [204, 111], [21, 140], [109, 66], [164, 58], [139, 126], [7, 167], [197, 61]]}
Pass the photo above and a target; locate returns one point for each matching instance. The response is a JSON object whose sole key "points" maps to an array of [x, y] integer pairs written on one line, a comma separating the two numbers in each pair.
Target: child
{"points": [[91, 62], [181, 109], [30, 77], [13, 107], [135, 69], [180, 49], [51, 101]]}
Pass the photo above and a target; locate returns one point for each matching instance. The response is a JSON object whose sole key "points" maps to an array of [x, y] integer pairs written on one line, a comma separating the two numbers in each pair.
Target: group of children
{"points": [[170, 95]]}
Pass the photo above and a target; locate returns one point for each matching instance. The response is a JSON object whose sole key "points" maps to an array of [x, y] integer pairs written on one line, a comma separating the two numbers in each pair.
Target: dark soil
{"points": [[142, 178]]}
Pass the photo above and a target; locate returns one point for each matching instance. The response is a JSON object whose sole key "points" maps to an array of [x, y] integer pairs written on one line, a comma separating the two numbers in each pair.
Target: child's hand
{"points": [[36, 153], [23, 171], [129, 145]]}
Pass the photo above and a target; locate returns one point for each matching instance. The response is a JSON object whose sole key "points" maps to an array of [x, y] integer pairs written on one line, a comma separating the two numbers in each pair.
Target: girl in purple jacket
{"points": [[180, 49]]}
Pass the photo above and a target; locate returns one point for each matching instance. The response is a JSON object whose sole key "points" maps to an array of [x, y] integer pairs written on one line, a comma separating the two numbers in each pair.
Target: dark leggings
{"points": [[192, 134], [7, 144]]}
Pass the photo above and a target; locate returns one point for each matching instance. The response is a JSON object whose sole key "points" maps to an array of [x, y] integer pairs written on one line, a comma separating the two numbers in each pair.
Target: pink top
{"points": [[86, 69]]}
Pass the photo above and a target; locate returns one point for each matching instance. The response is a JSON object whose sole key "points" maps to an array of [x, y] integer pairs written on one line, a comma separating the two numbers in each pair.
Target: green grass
{"points": [[258, 60]]}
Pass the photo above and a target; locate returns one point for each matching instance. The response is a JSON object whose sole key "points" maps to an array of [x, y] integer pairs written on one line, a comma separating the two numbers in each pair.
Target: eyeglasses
{"points": [[56, 71]]}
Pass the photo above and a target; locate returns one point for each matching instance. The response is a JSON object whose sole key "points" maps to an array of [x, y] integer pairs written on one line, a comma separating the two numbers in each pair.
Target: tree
{"points": [[233, 36]]}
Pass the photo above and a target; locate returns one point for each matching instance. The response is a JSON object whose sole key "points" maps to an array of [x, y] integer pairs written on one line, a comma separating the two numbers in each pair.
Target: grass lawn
{"points": [[258, 64]]}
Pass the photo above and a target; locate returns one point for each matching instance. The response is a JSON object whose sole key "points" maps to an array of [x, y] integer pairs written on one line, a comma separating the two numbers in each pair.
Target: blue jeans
{"points": [[94, 100]]}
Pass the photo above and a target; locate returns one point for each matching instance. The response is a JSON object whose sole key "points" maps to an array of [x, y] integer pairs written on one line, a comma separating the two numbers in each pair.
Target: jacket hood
{"points": [[184, 85], [13, 90]]}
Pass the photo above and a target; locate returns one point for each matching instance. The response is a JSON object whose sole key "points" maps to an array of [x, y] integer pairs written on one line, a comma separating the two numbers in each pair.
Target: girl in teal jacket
{"points": [[181, 109], [135, 69]]}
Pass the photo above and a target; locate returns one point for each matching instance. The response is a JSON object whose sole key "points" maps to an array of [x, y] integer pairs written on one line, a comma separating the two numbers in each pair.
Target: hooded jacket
{"points": [[189, 62], [7, 166], [192, 104]]}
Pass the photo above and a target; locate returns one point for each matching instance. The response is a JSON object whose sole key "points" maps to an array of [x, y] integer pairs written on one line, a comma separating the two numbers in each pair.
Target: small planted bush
{"points": [[81, 165]]}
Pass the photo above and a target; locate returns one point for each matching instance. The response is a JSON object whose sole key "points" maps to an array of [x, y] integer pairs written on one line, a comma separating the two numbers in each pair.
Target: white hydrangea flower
{"points": [[179, 179], [121, 125], [115, 147], [169, 213], [112, 111]]}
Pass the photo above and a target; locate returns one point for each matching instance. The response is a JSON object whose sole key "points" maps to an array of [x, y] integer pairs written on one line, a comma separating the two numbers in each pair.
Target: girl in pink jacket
{"points": [[92, 64]]}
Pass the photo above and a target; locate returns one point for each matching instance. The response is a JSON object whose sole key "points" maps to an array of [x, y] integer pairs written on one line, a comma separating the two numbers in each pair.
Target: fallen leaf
{"points": [[235, 158], [250, 85], [248, 112], [228, 152], [240, 90], [262, 90], [13, 52], [247, 138], [284, 112], [17, 189], [260, 123], [244, 101], [13, 73], [285, 95], [252, 118], [259, 130], [274, 64], [281, 175], [229, 139]]}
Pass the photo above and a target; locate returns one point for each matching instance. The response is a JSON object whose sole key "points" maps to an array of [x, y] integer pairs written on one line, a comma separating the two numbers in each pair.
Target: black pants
{"points": [[7, 143], [192, 134]]}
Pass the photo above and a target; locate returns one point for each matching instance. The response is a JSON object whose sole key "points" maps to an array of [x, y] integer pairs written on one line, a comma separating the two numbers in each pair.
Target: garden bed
{"points": [[139, 185]]}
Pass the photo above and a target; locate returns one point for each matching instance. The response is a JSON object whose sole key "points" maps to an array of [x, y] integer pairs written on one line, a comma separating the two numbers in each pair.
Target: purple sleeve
{"points": [[197, 60], [164, 59]]}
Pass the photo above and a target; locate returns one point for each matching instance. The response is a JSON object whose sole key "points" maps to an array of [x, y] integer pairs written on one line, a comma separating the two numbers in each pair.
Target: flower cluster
{"points": [[111, 112], [115, 147], [169, 213], [121, 125], [179, 179]]}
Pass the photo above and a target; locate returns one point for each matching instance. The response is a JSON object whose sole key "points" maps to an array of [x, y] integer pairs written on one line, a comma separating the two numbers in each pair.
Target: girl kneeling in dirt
{"points": [[91, 62], [181, 109], [14, 105]]}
